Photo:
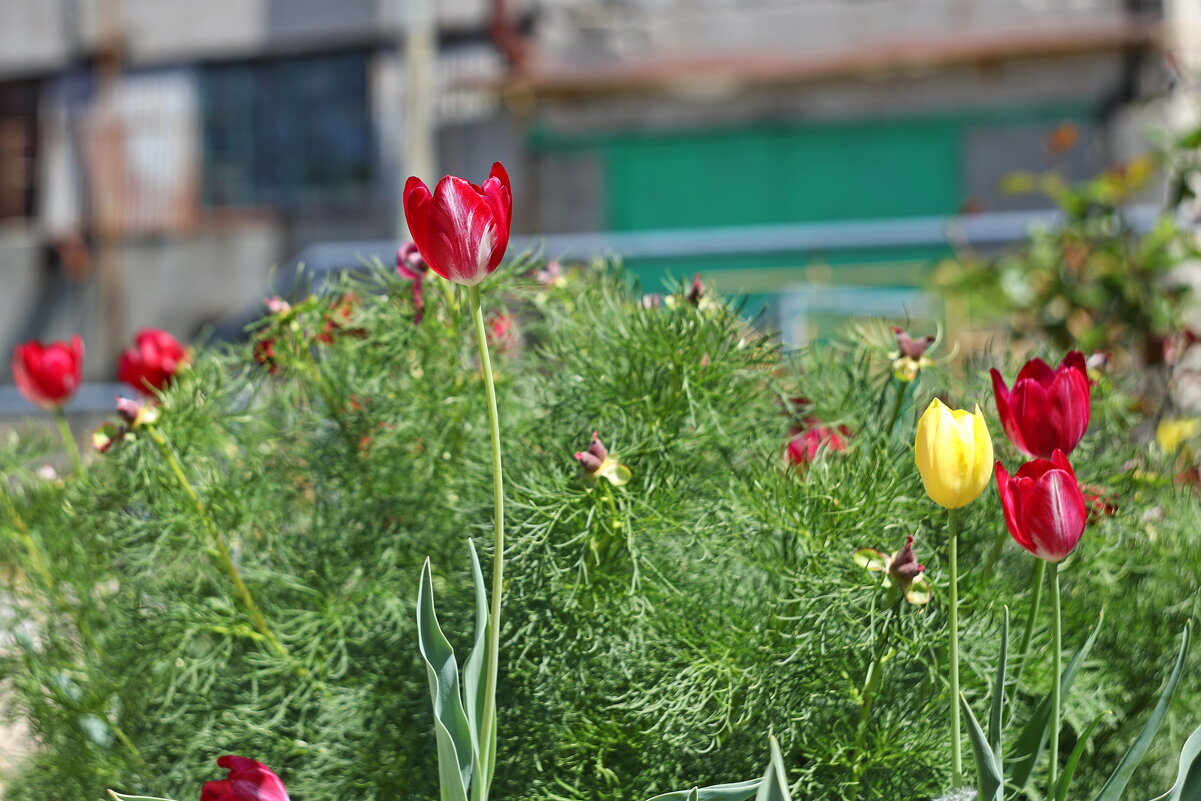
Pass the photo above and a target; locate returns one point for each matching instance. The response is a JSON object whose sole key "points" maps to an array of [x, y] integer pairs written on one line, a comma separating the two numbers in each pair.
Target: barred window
{"points": [[287, 132]]}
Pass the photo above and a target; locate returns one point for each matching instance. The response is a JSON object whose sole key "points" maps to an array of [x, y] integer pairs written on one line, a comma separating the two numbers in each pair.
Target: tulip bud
{"points": [[953, 452], [137, 413], [911, 355], [1043, 506], [900, 570], [597, 463]]}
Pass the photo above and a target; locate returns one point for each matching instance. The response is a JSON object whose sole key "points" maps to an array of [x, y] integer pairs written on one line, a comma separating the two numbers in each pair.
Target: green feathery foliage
{"points": [[654, 633]]}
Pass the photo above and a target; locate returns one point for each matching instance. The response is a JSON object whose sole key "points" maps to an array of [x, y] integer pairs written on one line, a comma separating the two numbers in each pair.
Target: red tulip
{"points": [[1046, 409], [462, 229], [804, 447], [48, 375], [1043, 506], [247, 781], [152, 362]]}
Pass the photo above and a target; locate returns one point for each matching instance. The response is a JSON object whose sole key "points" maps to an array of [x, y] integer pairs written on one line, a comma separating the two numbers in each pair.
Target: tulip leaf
{"points": [[1113, 789], [998, 691], [1188, 778], [1069, 769], [990, 785], [774, 786], [1032, 739], [736, 791], [457, 755], [475, 679]]}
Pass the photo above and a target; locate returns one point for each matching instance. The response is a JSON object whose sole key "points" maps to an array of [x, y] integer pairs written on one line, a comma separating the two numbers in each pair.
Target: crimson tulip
{"points": [[1047, 409], [1043, 506], [247, 781], [152, 362], [48, 375], [461, 230]]}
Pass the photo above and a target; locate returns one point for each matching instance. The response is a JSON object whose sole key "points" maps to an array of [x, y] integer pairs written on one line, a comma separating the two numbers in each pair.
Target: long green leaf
{"points": [[998, 691], [736, 791], [1032, 738], [774, 786], [1069, 769], [989, 782], [1188, 778], [1116, 785], [457, 757], [475, 678]]}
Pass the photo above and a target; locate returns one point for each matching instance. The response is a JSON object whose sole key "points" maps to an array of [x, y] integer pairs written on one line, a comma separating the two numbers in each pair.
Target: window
{"points": [[18, 144], [288, 132]]}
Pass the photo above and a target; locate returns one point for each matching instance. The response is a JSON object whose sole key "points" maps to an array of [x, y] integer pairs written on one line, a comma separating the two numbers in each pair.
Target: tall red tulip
{"points": [[1043, 506], [48, 375], [461, 229], [1046, 409], [152, 362], [247, 781]]}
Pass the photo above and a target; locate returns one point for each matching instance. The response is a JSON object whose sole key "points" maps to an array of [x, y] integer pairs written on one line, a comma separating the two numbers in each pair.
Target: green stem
{"points": [[64, 431], [224, 557], [1037, 581], [956, 748], [875, 673], [1056, 701], [488, 724], [896, 408]]}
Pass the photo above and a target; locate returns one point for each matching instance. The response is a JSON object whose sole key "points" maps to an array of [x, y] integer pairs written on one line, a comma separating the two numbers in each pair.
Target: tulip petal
{"points": [[919, 591], [1051, 513], [1035, 370], [872, 559]]}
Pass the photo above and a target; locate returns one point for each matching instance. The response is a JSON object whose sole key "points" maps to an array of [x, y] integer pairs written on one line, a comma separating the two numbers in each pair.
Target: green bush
{"points": [[653, 634]]}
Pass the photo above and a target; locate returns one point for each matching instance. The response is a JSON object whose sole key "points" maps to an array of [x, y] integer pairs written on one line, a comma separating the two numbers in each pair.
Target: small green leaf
{"points": [[1188, 778], [1069, 768], [1113, 789], [989, 782], [736, 791]]}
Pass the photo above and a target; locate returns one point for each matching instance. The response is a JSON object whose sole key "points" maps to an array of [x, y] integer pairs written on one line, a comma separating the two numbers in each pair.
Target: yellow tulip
{"points": [[953, 451], [1171, 434]]}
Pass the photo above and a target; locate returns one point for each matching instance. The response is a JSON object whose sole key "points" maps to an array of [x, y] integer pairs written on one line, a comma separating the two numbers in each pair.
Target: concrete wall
{"points": [[579, 31], [180, 285]]}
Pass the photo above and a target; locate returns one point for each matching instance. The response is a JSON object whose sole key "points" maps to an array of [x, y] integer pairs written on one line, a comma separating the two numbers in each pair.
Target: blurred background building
{"points": [[158, 159]]}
